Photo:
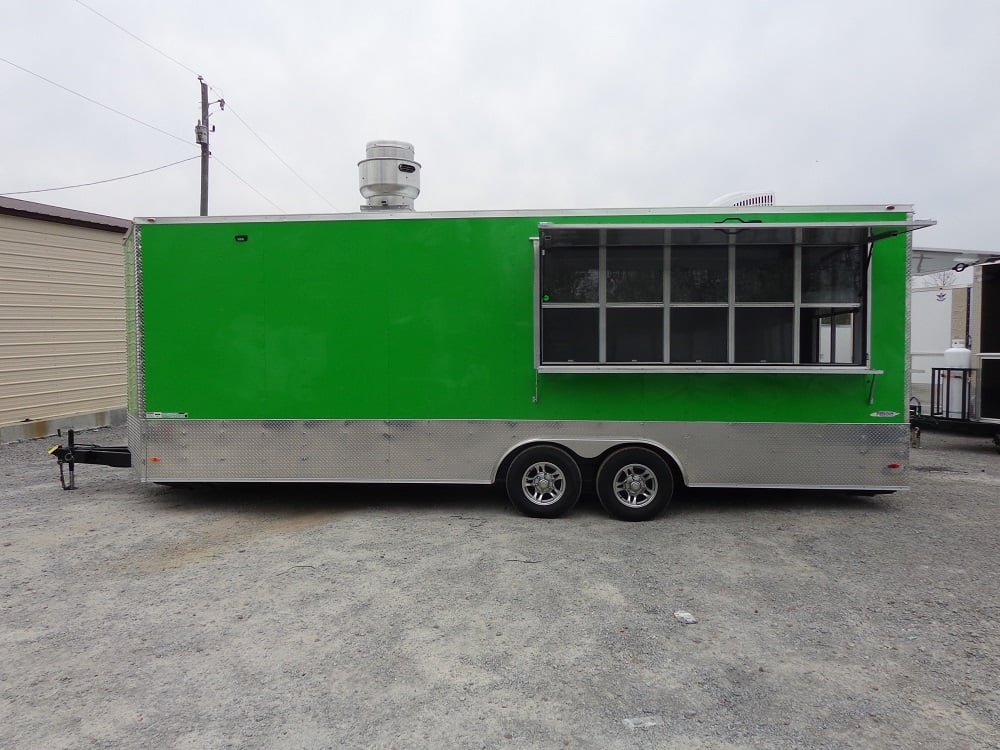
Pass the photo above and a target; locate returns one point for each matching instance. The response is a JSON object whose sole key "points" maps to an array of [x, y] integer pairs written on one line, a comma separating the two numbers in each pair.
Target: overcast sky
{"points": [[513, 105]]}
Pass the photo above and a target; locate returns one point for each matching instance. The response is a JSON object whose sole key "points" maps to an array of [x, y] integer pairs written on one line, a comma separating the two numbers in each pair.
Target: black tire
{"points": [[543, 482], [634, 484]]}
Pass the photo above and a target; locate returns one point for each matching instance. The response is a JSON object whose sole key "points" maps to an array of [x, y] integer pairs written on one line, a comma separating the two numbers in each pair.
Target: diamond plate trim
{"points": [[909, 295], [140, 336], [848, 456], [135, 427]]}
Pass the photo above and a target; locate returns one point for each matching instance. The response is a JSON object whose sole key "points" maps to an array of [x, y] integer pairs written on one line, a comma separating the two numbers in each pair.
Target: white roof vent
{"points": [[745, 198]]}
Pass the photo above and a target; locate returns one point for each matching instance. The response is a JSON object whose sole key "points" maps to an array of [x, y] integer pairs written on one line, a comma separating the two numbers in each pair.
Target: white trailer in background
{"points": [[938, 319], [955, 341]]}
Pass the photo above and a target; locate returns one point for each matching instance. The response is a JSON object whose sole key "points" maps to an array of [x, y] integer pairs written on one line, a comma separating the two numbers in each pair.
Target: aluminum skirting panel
{"points": [[713, 454]]}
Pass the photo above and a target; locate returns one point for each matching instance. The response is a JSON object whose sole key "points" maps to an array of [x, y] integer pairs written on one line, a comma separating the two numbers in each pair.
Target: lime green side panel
{"points": [[433, 319], [889, 343]]}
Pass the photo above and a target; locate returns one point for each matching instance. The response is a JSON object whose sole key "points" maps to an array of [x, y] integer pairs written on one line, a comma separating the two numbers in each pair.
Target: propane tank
{"points": [[958, 356], [959, 360]]}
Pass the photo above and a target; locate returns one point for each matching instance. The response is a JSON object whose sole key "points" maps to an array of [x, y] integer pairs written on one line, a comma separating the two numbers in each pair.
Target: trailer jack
{"points": [[72, 454]]}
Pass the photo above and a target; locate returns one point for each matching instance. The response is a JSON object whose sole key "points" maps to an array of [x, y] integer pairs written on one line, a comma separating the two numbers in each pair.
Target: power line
{"points": [[278, 157], [101, 182], [138, 39], [94, 101], [229, 169]]}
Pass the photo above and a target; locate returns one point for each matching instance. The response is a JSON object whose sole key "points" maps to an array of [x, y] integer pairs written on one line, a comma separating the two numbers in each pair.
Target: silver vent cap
{"points": [[389, 177]]}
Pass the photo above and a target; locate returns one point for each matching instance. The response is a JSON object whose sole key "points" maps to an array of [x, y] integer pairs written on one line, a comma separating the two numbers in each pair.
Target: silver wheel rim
{"points": [[543, 483], [635, 486]]}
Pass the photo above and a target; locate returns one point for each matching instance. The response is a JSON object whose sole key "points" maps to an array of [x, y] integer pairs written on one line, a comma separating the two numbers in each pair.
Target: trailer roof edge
{"points": [[539, 213]]}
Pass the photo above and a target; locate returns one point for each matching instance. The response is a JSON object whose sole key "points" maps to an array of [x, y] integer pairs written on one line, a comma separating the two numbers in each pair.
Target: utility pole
{"points": [[201, 131], [201, 138]]}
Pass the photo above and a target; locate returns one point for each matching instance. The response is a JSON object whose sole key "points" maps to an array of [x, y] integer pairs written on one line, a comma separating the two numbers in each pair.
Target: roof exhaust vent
{"points": [[389, 178], [745, 198]]}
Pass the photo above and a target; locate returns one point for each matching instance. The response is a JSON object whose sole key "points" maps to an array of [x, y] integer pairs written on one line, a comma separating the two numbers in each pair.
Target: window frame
{"points": [[875, 230]]}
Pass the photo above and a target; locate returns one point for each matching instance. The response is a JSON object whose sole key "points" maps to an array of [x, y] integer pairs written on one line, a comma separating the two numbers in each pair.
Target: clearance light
{"points": [[154, 460], [890, 466]]}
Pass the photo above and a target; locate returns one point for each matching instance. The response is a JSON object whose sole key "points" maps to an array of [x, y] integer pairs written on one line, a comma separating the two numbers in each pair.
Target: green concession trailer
{"points": [[630, 351]]}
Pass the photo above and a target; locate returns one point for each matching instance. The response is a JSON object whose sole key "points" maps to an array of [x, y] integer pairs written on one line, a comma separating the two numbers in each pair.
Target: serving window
{"points": [[710, 296]]}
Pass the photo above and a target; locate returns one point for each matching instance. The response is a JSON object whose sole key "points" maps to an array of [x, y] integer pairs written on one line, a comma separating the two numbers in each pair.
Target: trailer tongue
{"points": [[74, 453]]}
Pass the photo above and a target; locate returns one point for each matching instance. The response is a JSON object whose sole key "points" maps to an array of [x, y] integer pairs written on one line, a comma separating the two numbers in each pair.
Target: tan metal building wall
{"points": [[62, 319], [960, 321]]}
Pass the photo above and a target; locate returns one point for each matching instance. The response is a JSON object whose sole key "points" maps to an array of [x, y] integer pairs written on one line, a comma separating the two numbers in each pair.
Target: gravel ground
{"points": [[303, 616]]}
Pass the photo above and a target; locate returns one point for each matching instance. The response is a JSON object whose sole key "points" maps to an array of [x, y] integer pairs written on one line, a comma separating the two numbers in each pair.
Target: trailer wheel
{"points": [[543, 482], [634, 484]]}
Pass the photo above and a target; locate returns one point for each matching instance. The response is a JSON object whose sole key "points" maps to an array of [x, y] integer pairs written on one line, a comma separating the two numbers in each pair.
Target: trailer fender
{"points": [[587, 448]]}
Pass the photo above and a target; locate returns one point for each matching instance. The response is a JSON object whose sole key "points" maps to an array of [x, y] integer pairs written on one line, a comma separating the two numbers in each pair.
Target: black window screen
{"points": [[571, 334], [635, 274], [699, 274], [739, 294], [764, 334], [634, 334], [698, 334], [571, 275]]}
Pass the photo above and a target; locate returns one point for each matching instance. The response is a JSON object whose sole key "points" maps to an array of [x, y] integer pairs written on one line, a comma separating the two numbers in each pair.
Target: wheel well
{"points": [[517, 450], [588, 466], [675, 468]]}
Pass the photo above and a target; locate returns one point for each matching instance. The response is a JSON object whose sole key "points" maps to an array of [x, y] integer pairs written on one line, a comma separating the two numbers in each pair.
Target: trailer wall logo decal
{"points": [[886, 414]]}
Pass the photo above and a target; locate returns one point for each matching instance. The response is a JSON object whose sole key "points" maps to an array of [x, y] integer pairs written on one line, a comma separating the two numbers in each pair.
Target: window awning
{"points": [[925, 260], [877, 230]]}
